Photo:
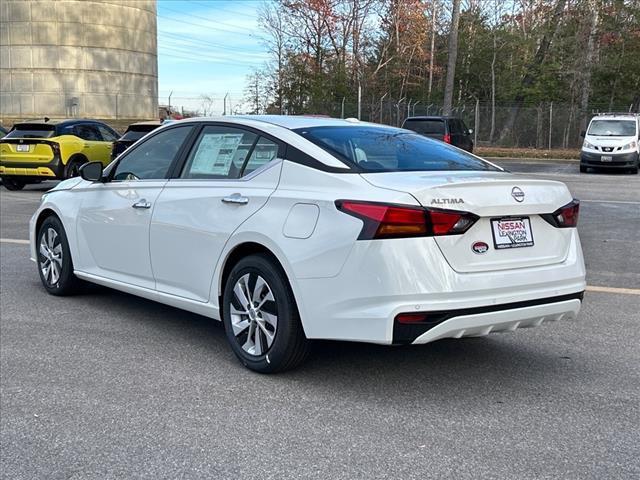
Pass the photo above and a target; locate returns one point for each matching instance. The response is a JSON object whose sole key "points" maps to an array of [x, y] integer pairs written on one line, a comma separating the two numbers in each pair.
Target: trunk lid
{"points": [[489, 195], [26, 150]]}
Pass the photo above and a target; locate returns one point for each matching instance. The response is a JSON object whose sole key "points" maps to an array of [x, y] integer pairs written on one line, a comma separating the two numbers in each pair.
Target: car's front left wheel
{"points": [[55, 265], [261, 318]]}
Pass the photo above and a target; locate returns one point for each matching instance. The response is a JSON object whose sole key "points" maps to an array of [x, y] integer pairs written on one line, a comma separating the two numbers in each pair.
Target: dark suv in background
{"points": [[450, 130]]}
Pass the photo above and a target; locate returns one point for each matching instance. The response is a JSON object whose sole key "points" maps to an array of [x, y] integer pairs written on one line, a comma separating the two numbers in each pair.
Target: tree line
{"points": [[328, 54]]}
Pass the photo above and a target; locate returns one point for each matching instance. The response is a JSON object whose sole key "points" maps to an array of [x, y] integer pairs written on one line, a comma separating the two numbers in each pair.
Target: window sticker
{"points": [[215, 153]]}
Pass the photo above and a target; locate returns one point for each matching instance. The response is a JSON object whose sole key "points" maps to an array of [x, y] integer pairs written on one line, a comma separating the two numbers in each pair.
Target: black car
{"points": [[448, 129], [134, 132], [3, 131]]}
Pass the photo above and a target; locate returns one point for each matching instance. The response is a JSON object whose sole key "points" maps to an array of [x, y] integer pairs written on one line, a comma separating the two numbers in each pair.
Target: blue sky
{"points": [[207, 47]]}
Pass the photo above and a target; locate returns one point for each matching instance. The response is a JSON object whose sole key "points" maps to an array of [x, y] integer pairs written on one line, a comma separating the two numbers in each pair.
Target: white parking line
{"points": [[622, 291], [14, 240]]}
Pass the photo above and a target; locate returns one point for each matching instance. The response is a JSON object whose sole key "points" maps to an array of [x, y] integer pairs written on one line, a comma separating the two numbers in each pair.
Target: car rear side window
{"points": [[426, 127], [386, 149], [152, 159], [264, 152], [219, 152], [26, 130]]}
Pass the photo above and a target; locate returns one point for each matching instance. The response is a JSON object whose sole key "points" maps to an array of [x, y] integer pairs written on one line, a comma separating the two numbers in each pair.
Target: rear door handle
{"points": [[142, 204], [236, 198]]}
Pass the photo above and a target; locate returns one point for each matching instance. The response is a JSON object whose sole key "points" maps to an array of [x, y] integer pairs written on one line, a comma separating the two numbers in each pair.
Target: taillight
{"points": [[397, 221], [446, 138], [55, 148], [564, 217]]}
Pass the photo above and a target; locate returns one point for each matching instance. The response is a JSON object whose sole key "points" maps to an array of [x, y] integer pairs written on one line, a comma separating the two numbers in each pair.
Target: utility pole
{"points": [[359, 100], [452, 57], [171, 93], [381, 99], [224, 108], [342, 110]]}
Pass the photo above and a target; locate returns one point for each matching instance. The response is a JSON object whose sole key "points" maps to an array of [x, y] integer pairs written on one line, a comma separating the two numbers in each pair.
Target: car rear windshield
{"points": [[32, 131], [136, 132], [426, 127], [613, 128], [387, 149]]}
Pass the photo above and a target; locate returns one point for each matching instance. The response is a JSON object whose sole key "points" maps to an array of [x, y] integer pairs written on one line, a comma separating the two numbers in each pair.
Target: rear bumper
{"points": [[41, 171], [478, 322], [362, 302], [620, 160]]}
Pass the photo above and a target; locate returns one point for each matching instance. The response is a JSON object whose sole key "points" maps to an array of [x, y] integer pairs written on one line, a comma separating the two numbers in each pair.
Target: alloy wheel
{"points": [[254, 315], [51, 256]]}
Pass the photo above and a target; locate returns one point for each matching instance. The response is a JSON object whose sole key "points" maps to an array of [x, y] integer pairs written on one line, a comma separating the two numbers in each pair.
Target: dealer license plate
{"points": [[606, 158], [511, 232], [22, 148]]}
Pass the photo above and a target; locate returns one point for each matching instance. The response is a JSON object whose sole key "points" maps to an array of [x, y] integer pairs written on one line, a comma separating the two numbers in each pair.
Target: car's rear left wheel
{"points": [[54, 259], [13, 183], [261, 318]]}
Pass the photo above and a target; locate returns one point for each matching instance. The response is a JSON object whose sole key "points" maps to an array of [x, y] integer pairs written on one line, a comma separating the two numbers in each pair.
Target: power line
{"points": [[198, 55], [211, 28], [189, 39], [205, 19], [204, 60]]}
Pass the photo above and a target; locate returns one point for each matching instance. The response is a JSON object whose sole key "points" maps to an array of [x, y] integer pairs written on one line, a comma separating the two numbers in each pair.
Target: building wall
{"points": [[82, 58]]}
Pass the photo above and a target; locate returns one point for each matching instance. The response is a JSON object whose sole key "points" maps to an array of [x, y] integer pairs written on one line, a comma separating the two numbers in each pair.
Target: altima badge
{"points": [[480, 247], [517, 194]]}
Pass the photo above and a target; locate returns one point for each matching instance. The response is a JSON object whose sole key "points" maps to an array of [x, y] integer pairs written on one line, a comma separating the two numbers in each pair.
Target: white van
{"points": [[611, 141]]}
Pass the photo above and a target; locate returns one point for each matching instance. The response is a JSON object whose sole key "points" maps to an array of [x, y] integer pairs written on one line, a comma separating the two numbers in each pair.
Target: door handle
{"points": [[236, 198], [142, 203]]}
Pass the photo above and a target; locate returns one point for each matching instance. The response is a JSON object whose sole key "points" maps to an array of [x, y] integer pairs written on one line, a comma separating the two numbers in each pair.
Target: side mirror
{"points": [[91, 171], [583, 133], [471, 131]]}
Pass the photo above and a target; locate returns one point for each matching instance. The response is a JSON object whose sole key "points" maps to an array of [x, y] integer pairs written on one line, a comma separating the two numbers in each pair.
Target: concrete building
{"points": [[78, 58]]}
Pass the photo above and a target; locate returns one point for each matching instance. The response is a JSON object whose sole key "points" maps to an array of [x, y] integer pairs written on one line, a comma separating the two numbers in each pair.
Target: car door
{"points": [[114, 217], [108, 137], [92, 141], [228, 176]]}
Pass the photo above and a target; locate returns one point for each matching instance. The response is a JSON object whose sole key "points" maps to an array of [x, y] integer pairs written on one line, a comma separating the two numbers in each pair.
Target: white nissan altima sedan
{"points": [[289, 229]]}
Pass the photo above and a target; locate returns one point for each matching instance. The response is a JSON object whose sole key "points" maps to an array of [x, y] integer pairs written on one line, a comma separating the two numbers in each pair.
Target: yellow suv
{"points": [[52, 149]]}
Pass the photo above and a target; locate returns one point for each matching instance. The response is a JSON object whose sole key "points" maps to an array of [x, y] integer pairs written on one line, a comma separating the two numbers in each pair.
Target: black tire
{"points": [[583, 169], [289, 345], [13, 184], [65, 282], [73, 167]]}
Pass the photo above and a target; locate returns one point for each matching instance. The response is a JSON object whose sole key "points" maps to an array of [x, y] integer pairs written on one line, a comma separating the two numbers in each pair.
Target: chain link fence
{"points": [[544, 126]]}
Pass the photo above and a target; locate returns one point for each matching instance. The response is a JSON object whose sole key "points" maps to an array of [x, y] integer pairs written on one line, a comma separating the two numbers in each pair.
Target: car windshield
{"points": [[425, 127], [387, 149], [32, 131], [613, 128]]}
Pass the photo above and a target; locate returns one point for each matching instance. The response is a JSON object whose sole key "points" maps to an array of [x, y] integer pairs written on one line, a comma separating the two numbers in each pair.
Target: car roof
{"points": [[289, 122], [616, 117], [148, 122], [57, 122], [433, 117]]}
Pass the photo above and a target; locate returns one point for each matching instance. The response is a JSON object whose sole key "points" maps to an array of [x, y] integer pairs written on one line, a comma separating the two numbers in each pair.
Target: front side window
{"points": [[152, 159], [219, 153], [613, 128], [107, 134], [87, 132], [387, 149]]}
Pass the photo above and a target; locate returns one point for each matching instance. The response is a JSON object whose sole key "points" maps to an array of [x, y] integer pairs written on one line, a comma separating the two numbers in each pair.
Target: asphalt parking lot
{"points": [[107, 385]]}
